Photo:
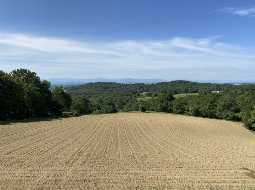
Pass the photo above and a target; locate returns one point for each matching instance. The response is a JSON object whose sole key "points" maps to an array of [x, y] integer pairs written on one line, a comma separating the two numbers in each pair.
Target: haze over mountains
{"points": [[71, 81], [66, 81]]}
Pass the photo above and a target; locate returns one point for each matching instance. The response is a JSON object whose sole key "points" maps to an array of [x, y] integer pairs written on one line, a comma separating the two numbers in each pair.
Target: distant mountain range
{"points": [[70, 82]]}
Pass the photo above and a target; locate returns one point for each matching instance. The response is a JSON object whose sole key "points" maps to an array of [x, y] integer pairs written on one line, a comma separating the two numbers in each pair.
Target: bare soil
{"points": [[127, 151]]}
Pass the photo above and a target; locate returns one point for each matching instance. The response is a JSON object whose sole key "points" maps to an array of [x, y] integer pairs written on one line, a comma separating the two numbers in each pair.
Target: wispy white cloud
{"points": [[48, 45], [239, 11], [175, 58]]}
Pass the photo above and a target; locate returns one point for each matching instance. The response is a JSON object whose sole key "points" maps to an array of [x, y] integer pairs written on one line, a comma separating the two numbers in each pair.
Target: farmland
{"points": [[127, 151]]}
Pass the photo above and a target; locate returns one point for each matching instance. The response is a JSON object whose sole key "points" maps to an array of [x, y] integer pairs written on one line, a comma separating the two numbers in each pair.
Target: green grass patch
{"points": [[185, 94]]}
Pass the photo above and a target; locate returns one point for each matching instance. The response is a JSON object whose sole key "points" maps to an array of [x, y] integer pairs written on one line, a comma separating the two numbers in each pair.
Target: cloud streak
{"points": [[175, 58], [240, 11]]}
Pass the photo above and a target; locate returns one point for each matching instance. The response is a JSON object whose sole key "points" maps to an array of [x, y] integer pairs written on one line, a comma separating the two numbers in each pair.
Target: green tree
{"points": [[81, 105], [208, 105], [62, 98], [251, 121], [180, 105], [142, 108], [193, 106], [227, 108], [164, 103], [11, 98], [108, 106], [36, 93], [104, 104]]}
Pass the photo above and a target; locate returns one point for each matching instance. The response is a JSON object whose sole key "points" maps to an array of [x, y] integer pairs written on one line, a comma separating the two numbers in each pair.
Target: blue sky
{"points": [[201, 40]]}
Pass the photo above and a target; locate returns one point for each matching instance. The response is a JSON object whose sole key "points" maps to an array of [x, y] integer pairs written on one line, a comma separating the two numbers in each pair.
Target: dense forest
{"points": [[174, 87], [23, 95]]}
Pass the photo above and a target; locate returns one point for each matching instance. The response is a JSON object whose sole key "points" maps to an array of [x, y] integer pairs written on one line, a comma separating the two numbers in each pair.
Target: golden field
{"points": [[127, 151]]}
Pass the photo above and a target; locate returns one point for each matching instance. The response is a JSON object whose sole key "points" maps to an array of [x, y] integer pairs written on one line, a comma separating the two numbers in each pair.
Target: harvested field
{"points": [[127, 151]]}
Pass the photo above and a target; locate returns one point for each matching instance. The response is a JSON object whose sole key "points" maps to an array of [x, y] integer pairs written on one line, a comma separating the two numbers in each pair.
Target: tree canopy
{"points": [[24, 95]]}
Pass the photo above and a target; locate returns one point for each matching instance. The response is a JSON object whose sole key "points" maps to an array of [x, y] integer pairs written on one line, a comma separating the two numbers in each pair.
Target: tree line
{"points": [[219, 101], [226, 105], [173, 87], [24, 95]]}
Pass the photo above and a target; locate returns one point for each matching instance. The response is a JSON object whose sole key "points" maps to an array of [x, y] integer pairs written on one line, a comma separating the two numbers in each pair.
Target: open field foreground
{"points": [[127, 151]]}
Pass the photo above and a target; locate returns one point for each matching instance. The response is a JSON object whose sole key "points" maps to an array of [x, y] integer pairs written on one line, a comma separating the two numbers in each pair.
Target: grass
{"points": [[185, 94]]}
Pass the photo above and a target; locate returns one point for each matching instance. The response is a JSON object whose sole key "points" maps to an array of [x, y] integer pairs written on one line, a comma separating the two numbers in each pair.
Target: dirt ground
{"points": [[127, 151]]}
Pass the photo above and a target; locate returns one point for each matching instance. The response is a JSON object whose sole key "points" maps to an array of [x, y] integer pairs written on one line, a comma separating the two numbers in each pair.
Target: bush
{"points": [[142, 109], [252, 127]]}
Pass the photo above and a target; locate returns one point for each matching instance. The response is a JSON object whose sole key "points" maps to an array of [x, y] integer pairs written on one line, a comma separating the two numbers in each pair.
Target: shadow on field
{"points": [[32, 120]]}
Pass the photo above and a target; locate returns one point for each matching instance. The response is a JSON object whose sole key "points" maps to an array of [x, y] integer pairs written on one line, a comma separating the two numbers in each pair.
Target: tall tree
{"points": [[11, 98], [36, 93], [62, 98]]}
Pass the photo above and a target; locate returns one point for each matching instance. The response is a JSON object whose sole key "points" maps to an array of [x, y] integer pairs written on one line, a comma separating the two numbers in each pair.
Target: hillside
{"points": [[174, 87]]}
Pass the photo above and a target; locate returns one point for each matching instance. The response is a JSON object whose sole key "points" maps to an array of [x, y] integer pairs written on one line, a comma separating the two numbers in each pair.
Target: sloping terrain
{"points": [[127, 151]]}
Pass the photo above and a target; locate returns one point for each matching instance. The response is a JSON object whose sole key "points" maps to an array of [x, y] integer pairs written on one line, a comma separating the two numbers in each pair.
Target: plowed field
{"points": [[127, 151]]}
